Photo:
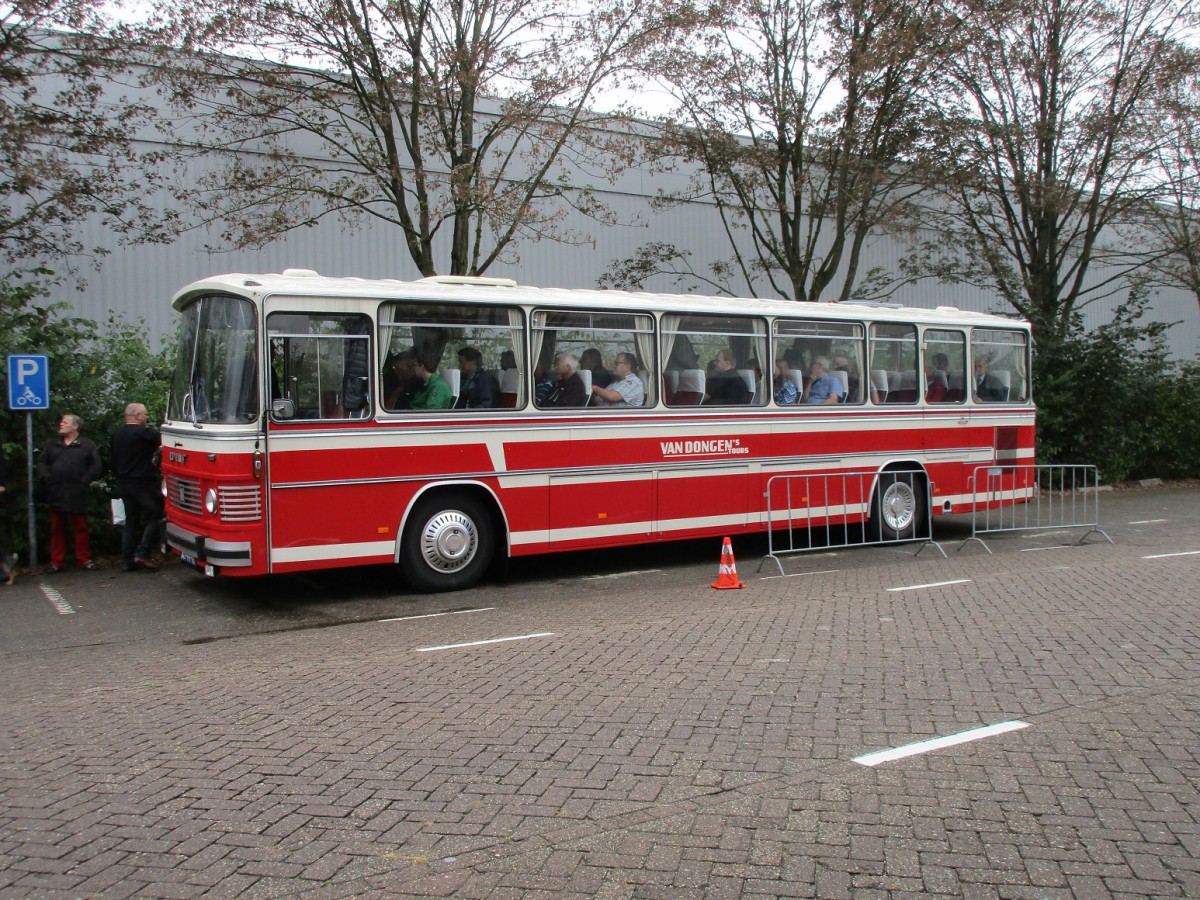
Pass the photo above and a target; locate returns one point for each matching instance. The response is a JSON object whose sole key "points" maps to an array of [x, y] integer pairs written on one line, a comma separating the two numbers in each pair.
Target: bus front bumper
{"points": [[198, 549]]}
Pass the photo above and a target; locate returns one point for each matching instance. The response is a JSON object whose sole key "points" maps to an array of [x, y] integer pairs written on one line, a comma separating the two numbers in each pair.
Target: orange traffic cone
{"points": [[727, 577]]}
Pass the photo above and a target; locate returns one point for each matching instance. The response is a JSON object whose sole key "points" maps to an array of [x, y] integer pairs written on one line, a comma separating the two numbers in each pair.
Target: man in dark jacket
{"points": [[570, 390], [135, 450], [69, 464]]}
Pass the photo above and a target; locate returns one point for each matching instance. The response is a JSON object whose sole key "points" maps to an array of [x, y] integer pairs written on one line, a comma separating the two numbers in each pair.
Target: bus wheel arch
{"points": [[900, 505], [450, 537]]}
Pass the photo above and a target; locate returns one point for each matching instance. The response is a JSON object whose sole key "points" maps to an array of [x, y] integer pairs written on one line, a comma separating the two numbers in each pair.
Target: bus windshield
{"points": [[216, 369]]}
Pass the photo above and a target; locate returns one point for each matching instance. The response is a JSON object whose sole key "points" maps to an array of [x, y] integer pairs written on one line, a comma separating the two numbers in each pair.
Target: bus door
{"points": [[319, 382]]}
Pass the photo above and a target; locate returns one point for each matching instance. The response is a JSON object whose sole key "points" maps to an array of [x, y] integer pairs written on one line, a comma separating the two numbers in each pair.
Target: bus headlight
{"points": [[210, 501]]}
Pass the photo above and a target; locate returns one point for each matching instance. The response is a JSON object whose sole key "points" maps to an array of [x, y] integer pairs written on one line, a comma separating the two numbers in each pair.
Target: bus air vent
{"points": [[475, 280], [240, 504]]}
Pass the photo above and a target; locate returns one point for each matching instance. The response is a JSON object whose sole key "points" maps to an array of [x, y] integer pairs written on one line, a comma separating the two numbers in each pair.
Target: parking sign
{"points": [[28, 382]]}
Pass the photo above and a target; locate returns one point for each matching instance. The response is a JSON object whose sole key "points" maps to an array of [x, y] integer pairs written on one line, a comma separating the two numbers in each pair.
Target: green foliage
{"points": [[1172, 426], [94, 371], [1111, 398]]}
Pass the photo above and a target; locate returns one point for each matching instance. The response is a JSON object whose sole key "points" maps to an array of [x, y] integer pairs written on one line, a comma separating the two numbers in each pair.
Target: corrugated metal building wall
{"points": [[137, 281]]}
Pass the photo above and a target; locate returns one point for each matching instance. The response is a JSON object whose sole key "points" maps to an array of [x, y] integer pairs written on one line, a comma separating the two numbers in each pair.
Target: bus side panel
{"points": [[343, 505]]}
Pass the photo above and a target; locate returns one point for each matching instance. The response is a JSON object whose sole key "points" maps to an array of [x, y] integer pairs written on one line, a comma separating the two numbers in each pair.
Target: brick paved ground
{"points": [[177, 737]]}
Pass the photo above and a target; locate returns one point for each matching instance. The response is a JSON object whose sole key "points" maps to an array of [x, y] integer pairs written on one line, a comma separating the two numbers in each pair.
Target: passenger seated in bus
{"points": [[626, 389], [724, 384], [842, 364], [434, 392], [543, 385], [479, 389], [987, 386], [404, 384], [591, 360], [823, 388], [510, 377], [569, 390], [786, 393], [936, 381]]}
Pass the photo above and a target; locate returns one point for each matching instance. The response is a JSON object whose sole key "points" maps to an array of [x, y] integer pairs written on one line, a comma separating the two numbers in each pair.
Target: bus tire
{"points": [[899, 508], [448, 542]]}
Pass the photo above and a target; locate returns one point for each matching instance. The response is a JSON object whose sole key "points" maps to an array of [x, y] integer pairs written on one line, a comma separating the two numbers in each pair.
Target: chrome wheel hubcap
{"points": [[449, 541], [899, 506]]}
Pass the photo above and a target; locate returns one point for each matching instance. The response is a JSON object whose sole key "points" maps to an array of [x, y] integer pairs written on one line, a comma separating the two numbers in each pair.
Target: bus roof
{"points": [[309, 284]]}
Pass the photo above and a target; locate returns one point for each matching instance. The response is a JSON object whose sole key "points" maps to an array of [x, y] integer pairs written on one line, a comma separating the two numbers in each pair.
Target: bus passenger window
{"points": [[945, 366], [452, 355], [894, 354], [609, 354], [320, 362], [838, 347], [733, 348], [1001, 366]]}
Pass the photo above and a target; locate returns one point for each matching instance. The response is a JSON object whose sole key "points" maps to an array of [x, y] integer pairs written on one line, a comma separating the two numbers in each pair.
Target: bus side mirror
{"points": [[283, 409]]}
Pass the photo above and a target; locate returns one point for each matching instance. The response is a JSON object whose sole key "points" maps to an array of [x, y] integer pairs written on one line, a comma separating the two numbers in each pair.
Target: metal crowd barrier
{"points": [[1034, 498], [835, 512]]}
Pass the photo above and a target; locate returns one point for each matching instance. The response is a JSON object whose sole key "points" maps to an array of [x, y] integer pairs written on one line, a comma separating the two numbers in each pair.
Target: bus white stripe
{"points": [[332, 551]]}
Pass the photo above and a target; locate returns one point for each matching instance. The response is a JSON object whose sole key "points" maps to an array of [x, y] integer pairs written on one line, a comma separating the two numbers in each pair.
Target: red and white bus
{"points": [[317, 422]]}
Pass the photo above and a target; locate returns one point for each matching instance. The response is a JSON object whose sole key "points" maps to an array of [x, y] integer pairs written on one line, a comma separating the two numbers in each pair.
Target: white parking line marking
{"points": [[1149, 521], [918, 587], [620, 574], [963, 737], [519, 637], [56, 600], [800, 574], [455, 612], [1167, 555], [1039, 549]]}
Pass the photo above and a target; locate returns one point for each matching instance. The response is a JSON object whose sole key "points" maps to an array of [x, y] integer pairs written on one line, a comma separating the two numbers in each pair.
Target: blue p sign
{"points": [[28, 382]]}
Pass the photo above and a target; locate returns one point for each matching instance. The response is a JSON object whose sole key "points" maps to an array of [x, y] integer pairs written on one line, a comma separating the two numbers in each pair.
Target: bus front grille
{"points": [[184, 494], [240, 504]]}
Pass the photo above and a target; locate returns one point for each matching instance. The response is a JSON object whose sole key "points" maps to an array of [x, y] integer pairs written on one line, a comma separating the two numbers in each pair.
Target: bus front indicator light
{"points": [[210, 501]]}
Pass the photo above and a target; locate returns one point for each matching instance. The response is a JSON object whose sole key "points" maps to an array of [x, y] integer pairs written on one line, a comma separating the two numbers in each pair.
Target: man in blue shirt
{"points": [[824, 387], [626, 389]]}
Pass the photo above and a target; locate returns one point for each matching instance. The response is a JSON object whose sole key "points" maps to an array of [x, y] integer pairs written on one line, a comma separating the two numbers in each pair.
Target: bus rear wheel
{"points": [[899, 506], [448, 543]]}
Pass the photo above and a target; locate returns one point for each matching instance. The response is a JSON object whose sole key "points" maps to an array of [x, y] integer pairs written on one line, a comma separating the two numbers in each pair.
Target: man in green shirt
{"points": [[435, 393]]}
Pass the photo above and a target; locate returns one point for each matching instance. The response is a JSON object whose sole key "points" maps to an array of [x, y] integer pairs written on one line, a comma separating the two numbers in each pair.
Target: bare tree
{"points": [[1173, 222], [463, 123], [67, 134], [1042, 148], [798, 115]]}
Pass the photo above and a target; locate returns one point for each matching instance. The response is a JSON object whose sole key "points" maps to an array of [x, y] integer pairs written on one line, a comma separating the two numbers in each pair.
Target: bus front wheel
{"points": [[899, 506], [448, 543]]}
